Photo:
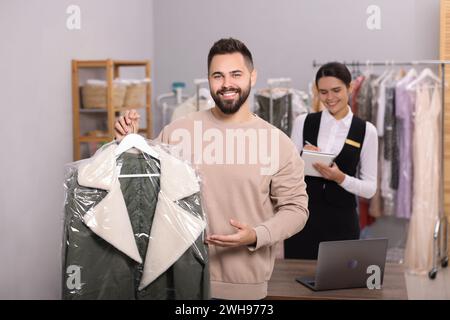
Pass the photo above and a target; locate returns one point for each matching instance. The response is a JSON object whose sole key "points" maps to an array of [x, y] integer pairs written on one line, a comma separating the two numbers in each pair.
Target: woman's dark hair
{"points": [[230, 45], [334, 69]]}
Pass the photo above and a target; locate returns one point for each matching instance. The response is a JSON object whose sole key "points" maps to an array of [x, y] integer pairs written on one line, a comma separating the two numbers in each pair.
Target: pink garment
{"points": [[426, 142], [356, 87]]}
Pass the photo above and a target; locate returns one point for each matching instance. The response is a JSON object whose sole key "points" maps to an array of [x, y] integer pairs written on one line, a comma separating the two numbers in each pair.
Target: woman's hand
{"points": [[310, 147], [332, 173], [128, 123]]}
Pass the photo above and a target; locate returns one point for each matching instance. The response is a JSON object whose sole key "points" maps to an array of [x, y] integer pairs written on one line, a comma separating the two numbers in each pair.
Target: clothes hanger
{"points": [[204, 93], [411, 73], [134, 140], [425, 75], [369, 69], [391, 72], [384, 74]]}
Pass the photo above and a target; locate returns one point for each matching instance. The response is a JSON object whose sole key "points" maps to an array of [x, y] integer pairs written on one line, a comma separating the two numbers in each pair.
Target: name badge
{"points": [[353, 143]]}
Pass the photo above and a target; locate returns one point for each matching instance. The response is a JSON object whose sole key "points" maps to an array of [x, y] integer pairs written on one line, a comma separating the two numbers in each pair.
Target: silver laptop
{"points": [[344, 264]]}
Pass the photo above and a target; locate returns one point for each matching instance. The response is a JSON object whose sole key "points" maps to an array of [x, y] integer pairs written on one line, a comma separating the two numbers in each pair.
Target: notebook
{"points": [[311, 157]]}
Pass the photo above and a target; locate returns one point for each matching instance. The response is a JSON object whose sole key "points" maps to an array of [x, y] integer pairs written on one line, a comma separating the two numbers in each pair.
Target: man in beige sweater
{"points": [[253, 188]]}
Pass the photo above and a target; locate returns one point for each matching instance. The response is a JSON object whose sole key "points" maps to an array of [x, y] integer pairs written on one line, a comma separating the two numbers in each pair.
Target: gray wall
{"points": [[36, 130], [35, 93], [285, 36]]}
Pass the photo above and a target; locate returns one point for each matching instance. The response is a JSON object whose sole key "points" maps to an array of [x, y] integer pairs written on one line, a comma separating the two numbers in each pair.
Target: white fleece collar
{"points": [[174, 229]]}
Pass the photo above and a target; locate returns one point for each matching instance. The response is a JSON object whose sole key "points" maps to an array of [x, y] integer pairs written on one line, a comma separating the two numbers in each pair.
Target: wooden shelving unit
{"points": [[112, 68]]}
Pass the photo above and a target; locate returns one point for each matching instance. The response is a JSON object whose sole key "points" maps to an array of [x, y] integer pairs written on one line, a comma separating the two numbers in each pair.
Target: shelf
{"points": [[99, 110], [102, 110], [121, 63], [92, 64], [109, 114], [94, 139], [104, 63]]}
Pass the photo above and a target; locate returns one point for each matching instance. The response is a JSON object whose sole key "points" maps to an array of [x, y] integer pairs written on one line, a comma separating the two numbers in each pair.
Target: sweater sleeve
{"points": [[290, 202]]}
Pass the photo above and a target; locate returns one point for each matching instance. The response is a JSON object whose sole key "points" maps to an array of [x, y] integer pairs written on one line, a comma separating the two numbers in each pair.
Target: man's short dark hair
{"points": [[230, 45]]}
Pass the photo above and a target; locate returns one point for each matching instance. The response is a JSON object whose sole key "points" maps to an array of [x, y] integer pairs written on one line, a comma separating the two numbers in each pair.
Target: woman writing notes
{"points": [[332, 197]]}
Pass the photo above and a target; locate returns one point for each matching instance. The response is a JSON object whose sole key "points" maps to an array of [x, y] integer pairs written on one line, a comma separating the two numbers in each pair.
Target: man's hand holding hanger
{"points": [[128, 123]]}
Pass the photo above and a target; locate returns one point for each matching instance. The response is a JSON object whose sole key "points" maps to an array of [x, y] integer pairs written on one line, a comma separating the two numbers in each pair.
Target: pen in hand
{"points": [[310, 146]]}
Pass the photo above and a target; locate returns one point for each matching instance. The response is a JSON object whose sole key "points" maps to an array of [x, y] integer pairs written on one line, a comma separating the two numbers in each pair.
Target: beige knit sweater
{"points": [[250, 172]]}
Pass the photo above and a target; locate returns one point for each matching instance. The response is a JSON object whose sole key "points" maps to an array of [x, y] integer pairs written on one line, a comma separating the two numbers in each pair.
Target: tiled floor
{"points": [[421, 287]]}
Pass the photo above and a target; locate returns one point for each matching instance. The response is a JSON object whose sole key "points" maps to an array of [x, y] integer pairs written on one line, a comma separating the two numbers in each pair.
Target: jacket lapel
{"points": [[174, 229], [109, 218]]}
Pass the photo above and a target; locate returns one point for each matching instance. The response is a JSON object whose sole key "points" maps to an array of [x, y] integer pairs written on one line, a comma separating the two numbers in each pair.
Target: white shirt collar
{"points": [[346, 121]]}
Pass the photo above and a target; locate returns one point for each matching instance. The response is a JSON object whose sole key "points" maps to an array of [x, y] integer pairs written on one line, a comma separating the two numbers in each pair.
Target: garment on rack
{"points": [[367, 108], [190, 106], [419, 248], [384, 82], [354, 98], [300, 102], [364, 98], [367, 101], [363, 204], [390, 138], [365, 219], [404, 108], [166, 104], [281, 116], [376, 99], [376, 206], [137, 237], [388, 153]]}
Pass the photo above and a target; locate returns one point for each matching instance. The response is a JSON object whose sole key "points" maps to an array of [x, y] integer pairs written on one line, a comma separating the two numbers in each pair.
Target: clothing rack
{"points": [[198, 83], [439, 235], [177, 95]]}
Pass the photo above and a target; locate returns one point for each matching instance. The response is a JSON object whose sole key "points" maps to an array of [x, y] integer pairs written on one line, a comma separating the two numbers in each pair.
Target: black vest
{"points": [[324, 191]]}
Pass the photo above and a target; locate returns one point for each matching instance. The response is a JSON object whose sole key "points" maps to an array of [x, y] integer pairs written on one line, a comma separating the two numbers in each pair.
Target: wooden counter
{"points": [[283, 286]]}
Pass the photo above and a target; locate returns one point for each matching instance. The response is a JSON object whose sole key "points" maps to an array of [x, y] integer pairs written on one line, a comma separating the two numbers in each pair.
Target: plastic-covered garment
{"points": [[419, 246], [389, 152], [133, 237], [204, 101], [282, 115], [404, 109], [364, 98]]}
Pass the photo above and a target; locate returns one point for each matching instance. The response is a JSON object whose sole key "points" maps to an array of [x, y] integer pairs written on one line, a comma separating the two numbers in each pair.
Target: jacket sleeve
{"points": [[290, 202]]}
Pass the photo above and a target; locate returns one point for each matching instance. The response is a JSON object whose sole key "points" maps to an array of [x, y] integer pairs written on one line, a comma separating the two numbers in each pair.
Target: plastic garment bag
{"points": [[133, 227]]}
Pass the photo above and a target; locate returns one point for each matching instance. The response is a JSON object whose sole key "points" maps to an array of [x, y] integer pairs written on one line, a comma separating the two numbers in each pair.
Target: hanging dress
{"points": [[425, 212]]}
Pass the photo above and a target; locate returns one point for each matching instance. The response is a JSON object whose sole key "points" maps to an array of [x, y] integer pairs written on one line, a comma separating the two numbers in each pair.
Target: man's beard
{"points": [[231, 106]]}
